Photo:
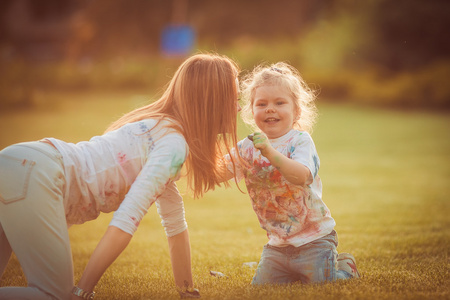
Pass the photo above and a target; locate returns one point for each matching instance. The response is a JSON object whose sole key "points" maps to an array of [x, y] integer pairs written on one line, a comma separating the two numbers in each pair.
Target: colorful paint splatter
{"points": [[290, 214]]}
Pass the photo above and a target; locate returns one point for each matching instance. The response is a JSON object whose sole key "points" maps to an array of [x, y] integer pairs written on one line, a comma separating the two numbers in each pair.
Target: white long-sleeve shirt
{"points": [[126, 171]]}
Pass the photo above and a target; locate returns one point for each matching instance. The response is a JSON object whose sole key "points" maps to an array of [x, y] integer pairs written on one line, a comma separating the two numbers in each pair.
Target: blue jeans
{"points": [[314, 262], [33, 221]]}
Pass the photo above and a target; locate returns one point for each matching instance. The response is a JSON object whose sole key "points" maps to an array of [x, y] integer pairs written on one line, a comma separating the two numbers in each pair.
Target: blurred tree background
{"points": [[381, 52]]}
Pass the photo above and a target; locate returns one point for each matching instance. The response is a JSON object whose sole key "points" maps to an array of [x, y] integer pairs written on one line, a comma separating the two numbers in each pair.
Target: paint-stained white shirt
{"points": [[126, 171], [291, 214]]}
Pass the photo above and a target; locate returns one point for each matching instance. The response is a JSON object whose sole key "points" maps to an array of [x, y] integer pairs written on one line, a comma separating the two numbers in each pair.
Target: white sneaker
{"points": [[346, 262]]}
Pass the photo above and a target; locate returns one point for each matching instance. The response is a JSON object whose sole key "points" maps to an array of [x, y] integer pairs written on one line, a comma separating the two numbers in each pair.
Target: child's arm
{"points": [[226, 169], [225, 174], [293, 171]]}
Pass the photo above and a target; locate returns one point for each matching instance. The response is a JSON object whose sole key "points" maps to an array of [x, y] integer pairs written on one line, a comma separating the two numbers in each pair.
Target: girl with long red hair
{"points": [[49, 184]]}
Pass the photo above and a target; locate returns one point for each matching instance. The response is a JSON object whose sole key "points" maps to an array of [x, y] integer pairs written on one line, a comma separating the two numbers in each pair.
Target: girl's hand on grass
{"points": [[190, 293]]}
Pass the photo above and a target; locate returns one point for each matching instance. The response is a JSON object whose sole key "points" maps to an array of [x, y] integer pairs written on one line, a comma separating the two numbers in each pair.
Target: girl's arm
{"points": [[108, 249], [293, 171], [170, 208], [180, 255], [115, 241]]}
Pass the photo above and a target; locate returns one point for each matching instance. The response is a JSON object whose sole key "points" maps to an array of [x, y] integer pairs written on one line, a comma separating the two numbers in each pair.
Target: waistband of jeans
{"points": [[284, 249], [43, 148], [291, 249]]}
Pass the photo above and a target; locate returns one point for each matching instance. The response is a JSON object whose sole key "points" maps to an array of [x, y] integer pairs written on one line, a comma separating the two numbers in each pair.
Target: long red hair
{"points": [[201, 98]]}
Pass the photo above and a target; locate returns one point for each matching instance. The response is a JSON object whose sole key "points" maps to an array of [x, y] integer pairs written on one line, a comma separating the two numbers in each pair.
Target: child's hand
{"points": [[260, 141]]}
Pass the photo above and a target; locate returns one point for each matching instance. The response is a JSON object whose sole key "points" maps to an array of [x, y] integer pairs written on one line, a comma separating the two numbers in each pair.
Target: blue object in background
{"points": [[177, 40]]}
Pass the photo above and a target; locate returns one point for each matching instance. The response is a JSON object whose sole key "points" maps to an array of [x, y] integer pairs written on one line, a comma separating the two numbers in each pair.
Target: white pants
{"points": [[32, 221]]}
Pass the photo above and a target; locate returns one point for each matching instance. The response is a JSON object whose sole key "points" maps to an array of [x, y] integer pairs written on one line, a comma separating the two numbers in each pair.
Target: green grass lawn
{"points": [[386, 177]]}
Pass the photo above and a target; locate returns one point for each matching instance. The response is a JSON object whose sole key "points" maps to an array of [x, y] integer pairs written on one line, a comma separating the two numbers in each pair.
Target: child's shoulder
{"points": [[299, 139], [297, 135]]}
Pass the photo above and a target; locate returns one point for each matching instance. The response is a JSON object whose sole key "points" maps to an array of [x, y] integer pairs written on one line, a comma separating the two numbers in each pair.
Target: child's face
{"points": [[273, 110]]}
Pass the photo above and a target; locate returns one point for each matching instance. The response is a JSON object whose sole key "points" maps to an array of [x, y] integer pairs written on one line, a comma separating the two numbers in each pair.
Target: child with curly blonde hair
{"points": [[280, 167]]}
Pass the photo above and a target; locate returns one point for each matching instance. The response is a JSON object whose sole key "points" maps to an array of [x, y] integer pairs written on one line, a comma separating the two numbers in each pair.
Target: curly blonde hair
{"points": [[280, 74]]}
